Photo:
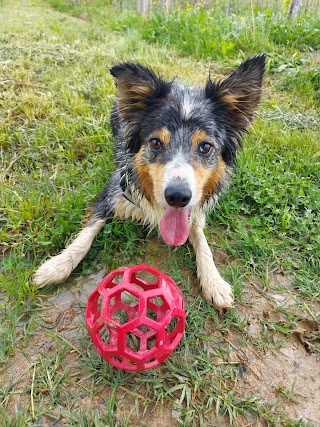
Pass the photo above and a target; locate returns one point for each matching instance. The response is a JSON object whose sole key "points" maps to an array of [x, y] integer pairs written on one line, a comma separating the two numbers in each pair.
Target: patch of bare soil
{"points": [[292, 373], [288, 369]]}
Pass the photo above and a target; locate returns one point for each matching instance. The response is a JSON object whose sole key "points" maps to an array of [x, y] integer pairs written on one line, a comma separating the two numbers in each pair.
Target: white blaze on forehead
{"points": [[187, 100], [188, 106]]}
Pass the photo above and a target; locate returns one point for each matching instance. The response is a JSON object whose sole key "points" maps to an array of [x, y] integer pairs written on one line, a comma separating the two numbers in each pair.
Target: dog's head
{"points": [[183, 140]]}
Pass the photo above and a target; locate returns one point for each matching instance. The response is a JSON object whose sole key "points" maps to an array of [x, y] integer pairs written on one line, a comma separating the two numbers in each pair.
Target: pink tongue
{"points": [[174, 227]]}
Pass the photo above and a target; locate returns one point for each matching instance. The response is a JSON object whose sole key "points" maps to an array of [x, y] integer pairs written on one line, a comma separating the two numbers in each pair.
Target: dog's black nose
{"points": [[178, 195]]}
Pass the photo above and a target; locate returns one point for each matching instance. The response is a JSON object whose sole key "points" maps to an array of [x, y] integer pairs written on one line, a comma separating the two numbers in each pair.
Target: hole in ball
{"points": [[105, 334], [133, 342], [120, 316]]}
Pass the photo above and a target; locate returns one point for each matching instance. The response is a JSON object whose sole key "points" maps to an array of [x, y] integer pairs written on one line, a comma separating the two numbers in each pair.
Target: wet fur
{"points": [[184, 120]]}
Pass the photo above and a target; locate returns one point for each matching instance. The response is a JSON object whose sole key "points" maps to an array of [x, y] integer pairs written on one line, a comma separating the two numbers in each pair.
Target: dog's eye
{"points": [[155, 144], [205, 148]]}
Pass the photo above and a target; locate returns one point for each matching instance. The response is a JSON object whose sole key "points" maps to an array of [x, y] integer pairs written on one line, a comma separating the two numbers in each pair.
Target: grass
{"points": [[281, 201], [210, 34], [56, 155]]}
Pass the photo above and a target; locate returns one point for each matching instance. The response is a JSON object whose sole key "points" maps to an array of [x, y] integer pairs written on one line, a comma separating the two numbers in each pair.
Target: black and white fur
{"points": [[175, 148]]}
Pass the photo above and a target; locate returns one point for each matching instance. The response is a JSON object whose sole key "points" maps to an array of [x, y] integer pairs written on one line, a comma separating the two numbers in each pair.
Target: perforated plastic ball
{"points": [[136, 317]]}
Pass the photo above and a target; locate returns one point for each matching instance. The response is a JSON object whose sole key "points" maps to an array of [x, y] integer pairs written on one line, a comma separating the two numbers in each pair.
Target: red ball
{"points": [[136, 323]]}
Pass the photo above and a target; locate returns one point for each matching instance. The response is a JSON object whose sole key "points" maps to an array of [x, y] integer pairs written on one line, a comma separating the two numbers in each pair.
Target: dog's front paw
{"points": [[217, 292], [55, 270]]}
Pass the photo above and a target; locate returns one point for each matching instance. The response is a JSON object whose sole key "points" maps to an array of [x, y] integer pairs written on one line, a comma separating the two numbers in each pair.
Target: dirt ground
{"points": [[293, 370]]}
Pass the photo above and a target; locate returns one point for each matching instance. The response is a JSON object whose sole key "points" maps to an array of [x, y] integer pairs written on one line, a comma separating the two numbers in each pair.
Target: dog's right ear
{"points": [[138, 90]]}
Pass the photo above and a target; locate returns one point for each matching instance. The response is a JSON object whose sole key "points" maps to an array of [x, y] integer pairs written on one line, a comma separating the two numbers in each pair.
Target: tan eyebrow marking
{"points": [[199, 136], [163, 134]]}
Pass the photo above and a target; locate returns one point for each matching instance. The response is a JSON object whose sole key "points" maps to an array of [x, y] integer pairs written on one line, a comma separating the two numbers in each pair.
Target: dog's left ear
{"points": [[236, 99], [138, 90]]}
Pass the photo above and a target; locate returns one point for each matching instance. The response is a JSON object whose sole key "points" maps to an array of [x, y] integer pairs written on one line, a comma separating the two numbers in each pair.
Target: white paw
{"points": [[217, 292], [55, 270]]}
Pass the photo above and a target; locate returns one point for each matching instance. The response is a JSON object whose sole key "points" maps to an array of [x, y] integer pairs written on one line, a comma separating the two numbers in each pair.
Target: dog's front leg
{"points": [[215, 290], [58, 268]]}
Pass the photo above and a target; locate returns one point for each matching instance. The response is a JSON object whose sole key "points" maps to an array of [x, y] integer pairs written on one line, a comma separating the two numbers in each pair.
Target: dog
{"points": [[175, 149]]}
